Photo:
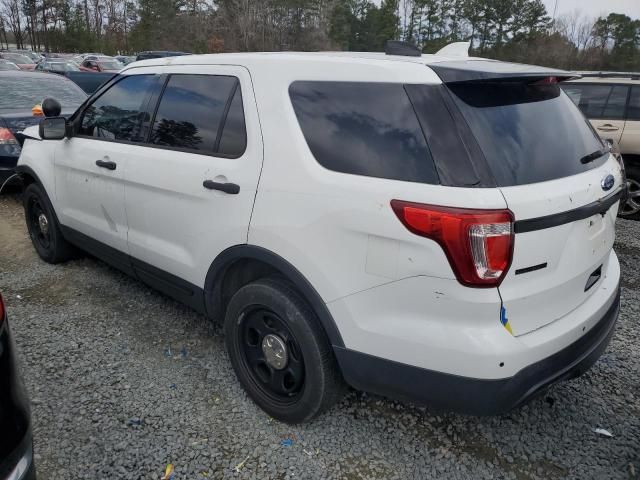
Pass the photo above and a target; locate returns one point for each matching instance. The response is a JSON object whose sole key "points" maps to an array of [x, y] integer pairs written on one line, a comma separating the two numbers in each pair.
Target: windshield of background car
{"points": [[17, 58], [27, 91], [112, 65], [5, 65], [62, 67], [528, 132]]}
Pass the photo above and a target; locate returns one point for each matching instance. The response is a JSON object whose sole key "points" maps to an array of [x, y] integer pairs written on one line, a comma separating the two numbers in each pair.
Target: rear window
{"points": [[28, 90], [528, 132], [367, 129]]}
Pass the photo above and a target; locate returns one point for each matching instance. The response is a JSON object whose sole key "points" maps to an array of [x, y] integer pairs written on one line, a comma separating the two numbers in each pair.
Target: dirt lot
{"points": [[124, 380]]}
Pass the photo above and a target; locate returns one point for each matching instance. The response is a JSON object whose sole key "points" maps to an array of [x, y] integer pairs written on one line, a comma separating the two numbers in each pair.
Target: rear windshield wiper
{"points": [[593, 156]]}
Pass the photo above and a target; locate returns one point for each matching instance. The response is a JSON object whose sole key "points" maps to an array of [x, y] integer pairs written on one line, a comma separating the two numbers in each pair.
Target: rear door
{"points": [[554, 174], [603, 104]]}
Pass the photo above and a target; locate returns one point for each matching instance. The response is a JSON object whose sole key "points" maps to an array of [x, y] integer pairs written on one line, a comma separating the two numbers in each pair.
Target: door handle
{"points": [[607, 127], [106, 164], [230, 188]]}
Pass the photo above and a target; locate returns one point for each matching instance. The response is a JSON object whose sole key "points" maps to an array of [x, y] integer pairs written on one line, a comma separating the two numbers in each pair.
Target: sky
{"points": [[595, 8]]}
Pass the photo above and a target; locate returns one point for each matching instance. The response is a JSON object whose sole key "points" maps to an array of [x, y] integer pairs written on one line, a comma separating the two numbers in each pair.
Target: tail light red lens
{"points": [[477, 243], [6, 137]]}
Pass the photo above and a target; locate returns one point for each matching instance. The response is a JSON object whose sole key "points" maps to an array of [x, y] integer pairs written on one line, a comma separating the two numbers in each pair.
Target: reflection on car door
{"points": [[190, 196], [604, 105], [90, 165]]}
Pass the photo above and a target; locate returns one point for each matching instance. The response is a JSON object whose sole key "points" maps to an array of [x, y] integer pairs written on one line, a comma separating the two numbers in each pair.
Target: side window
{"points": [[119, 112], [616, 103], [634, 104], [599, 101], [191, 111], [362, 128], [234, 135]]}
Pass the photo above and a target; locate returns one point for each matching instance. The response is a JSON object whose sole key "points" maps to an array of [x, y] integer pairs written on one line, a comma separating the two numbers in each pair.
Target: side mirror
{"points": [[51, 108], [54, 128]]}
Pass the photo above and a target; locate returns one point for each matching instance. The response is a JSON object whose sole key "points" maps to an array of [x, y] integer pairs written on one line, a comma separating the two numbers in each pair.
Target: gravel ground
{"points": [[124, 380]]}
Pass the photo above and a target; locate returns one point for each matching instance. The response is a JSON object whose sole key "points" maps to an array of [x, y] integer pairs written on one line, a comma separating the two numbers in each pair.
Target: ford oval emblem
{"points": [[607, 182]]}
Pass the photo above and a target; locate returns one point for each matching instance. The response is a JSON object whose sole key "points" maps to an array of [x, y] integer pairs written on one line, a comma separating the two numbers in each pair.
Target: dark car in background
{"points": [[16, 447], [158, 54], [89, 81], [59, 66], [26, 90]]}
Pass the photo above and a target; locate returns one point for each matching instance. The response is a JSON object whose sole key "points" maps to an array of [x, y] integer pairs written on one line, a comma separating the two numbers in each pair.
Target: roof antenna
{"points": [[399, 47]]}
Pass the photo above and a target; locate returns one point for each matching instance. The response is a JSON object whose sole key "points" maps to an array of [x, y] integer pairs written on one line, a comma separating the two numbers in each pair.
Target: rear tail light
{"points": [[477, 243], [6, 137]]}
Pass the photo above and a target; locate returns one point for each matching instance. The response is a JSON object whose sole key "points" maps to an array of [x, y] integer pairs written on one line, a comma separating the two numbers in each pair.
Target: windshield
{"points": [[8, 66], [27, 91], [17, 58], [528, 132], [61, 67], [110, 65]]}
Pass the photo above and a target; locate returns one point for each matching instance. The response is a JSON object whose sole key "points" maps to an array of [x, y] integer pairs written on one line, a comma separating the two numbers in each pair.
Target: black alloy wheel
{"points": [[271, 354]]}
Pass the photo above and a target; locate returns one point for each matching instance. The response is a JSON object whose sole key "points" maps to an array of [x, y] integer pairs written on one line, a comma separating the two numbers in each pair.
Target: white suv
{"points": [[422, 227]]}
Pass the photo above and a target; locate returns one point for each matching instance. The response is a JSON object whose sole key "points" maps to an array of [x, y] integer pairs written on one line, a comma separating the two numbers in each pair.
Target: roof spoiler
{"points": [[482, 70], [455, 49]]}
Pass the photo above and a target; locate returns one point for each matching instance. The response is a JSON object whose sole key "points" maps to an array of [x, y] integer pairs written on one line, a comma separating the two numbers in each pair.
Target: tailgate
{"points": [[556, 176], [564, 235]]}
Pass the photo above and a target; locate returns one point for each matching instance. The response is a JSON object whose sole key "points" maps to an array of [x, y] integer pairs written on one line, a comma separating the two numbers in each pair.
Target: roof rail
{"points": [[398, 47], [631, 75], [455, 49]]}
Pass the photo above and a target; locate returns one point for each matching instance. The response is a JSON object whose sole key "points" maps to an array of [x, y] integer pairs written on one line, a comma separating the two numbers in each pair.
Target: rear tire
{"points": [[280, 353], [631, 209], [43, 226]]}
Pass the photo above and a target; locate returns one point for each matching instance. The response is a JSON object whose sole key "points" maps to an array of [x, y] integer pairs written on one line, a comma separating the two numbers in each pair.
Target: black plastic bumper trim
{"points": [[473, 395], [540, 223]]}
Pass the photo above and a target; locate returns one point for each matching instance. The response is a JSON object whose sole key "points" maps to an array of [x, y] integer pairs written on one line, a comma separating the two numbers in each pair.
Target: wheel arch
{"points": [[243, 264]]}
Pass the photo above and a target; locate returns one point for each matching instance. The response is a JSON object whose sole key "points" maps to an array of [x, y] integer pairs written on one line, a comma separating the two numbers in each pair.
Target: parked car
{"points": [[7, 65], [34, 56], [611, 102], [387, 232], [26, 91], [89, 81], [158, 54], [16, 446], [22, 61], [57, 66], [101, 64], [125, 59]]}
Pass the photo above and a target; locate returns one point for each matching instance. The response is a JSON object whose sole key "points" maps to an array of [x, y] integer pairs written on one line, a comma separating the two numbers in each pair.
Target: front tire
{"points": [[279, 352], [43, 226]]}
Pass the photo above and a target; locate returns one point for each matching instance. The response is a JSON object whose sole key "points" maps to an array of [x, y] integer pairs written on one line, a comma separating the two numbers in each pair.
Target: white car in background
{"points": [[420, 226]]}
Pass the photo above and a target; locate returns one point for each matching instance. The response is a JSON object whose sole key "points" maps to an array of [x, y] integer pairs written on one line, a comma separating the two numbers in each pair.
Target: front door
{"points": [[90, 166], [190, 196]]}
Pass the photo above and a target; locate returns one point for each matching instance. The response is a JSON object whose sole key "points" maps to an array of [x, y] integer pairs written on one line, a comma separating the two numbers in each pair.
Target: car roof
{"points": [[289, 57], [623, 78], [27, 74]]}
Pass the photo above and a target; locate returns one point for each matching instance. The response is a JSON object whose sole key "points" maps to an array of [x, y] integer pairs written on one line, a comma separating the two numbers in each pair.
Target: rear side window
{"points": [[234, 134], [634, 104], [528, 133], [599, 101], [118, 113], [362, 128], [191, 111]]}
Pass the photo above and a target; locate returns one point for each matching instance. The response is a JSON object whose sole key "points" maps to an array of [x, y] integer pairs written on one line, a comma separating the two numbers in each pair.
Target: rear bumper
{"points": [[472, 395]]}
